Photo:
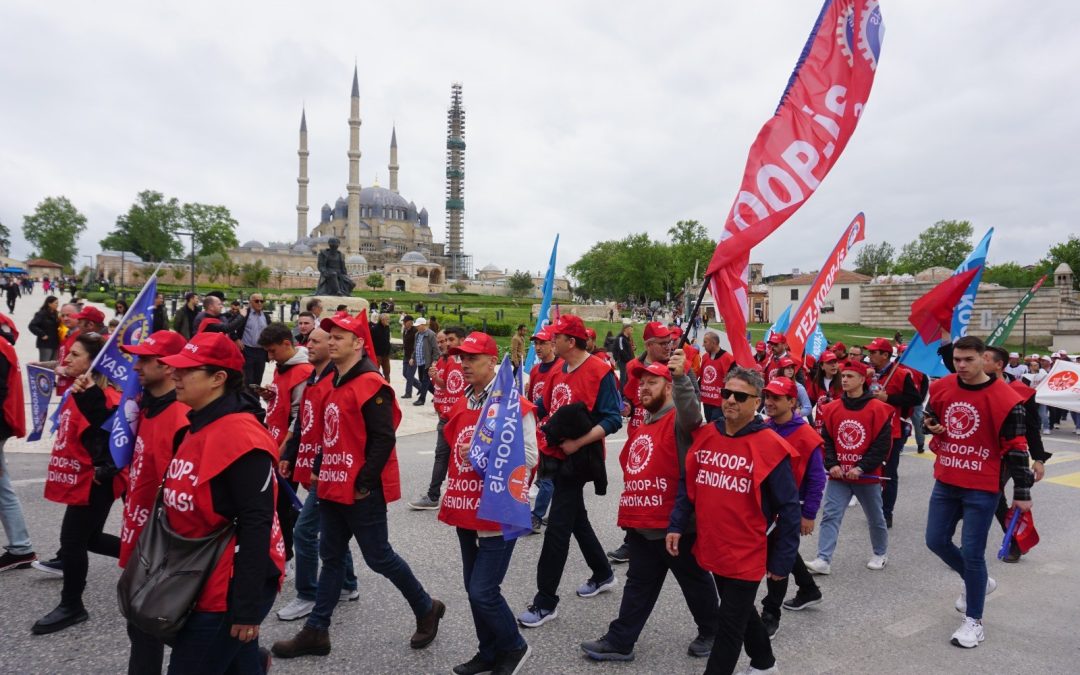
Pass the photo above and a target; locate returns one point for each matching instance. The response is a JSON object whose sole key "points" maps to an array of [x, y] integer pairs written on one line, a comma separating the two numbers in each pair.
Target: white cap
{"points": [[420, 322], [1044, 358], [1013, 355]]}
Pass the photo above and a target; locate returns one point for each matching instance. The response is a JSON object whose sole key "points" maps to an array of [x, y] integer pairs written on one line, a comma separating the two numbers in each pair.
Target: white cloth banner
{"points": [[1061, 388]]}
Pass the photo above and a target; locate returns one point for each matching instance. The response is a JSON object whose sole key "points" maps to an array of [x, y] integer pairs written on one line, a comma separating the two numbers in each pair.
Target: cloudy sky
{"points": [[593, 119]]}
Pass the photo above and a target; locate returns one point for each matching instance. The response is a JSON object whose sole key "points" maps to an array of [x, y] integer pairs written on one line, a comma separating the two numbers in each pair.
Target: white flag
{"points": [[1061, 388]]}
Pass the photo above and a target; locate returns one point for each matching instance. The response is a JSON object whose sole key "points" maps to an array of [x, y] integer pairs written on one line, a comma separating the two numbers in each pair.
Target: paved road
{"points": [[895, 621]]}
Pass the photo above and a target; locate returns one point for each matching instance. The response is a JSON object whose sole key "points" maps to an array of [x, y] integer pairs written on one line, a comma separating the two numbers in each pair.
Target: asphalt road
{"points": [[896, 621]]}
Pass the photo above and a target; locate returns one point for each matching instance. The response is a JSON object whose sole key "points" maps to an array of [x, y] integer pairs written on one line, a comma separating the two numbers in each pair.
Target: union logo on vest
{"points": [[639, 454], [851, 434], [330, 426], [961, 419]]}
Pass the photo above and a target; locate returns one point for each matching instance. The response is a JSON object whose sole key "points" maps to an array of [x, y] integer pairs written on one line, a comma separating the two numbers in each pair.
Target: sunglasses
{"points": [[740, 396]]}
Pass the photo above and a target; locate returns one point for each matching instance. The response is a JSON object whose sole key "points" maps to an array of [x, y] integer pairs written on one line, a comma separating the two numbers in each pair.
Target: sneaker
{"points": [[969, 634], [620, 555], [12, 561], [510, 663], [474, 666], [750, 670], [350, 596], [878, 562], [591, 588], [803, 599], [771, 622], [537, 525], [961, 602], [701, 647], [819, 566], [534, 617], [602, 650], [297, 609], [425, 503], [54, 566]]}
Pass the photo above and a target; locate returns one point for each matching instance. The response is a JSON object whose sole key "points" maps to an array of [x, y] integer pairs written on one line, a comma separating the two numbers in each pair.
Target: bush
{"points": [[471, 323]]}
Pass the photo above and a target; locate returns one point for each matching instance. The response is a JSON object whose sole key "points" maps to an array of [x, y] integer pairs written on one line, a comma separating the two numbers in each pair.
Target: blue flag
{"points": [[817, 343], [498, 456], [924, 357], [545, 306], [781, 324], [42, 381]]}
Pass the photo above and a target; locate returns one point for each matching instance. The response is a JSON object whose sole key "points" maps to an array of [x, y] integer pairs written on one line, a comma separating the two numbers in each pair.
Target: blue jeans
{"points": [[11, 515], [306, 552], [484, 561], [204, 646], [1044, 417], [837, 495], [365, 520], [948, 506], [916, 425], [545, 487], [409, 371]]}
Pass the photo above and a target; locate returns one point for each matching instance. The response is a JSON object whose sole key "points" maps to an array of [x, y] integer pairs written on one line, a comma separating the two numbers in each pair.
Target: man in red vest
{"points": [[715, 364], [653, 461], [19, 553], [358, 477], [547, 364], [857, 430], [978, 425], [739, 482], [894, 385], [777, 351]]}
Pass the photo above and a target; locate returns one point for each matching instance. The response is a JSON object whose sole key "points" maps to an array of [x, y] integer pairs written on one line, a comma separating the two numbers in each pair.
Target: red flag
{"points": [[932, 313], [365, 330], [797, 147]]}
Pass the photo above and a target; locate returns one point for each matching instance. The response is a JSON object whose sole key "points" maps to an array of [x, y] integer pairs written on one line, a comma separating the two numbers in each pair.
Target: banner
{"points": [[780, 325], [498, 456], [118, 365], [817, 343], [933, 312], [923, 356], [1001, 333], [42, 381], [1061, 387], [806, 317], [545, 306], [798, 146]]}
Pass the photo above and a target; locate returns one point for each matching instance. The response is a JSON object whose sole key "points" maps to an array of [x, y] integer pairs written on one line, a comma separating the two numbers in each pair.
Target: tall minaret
{"points": [[301, 202], [353, 187], [393, 160]]}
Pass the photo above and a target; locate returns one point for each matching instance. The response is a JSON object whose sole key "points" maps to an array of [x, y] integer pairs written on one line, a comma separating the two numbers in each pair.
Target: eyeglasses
{"points": [[740, 396], [259, 302]]}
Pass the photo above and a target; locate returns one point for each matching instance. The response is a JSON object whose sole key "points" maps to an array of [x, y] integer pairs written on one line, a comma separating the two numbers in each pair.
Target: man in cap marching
{"points": [[894, 385]]}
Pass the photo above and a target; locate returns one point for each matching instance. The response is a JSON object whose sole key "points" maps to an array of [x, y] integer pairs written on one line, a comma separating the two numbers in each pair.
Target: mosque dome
{"points": [[491, 268], [252, 244], [381, 197], [356, 259], [301, 247], [341, 208], [413, 257]]}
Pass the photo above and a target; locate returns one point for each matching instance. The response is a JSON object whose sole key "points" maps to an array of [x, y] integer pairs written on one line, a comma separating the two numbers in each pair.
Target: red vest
{"points": [[1025, 392], [723, 480], [280, 404], [71, 469], [14, 408], [969, 452], [150, 458], [345, 441], [650, 464], [894, 385], [537, 384], [311, 428], [206, 322], [805, 440], [713, 372], [444, 397], [582, 384], [630, 391], [853, 431], [189, 503], [63, 381]]}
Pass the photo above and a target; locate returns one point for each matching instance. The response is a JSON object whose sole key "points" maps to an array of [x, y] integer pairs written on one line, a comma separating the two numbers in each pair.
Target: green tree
{"points": [[1012, 275], [595, 271], [690, 247], [375, 280], [944, 244], [5, 240], [255, 274], [874, 259], [1065, 252], [214, 265], [520, 283], [214, 227], [53, 229], [148, 229], [458, 286], [178, 273]]}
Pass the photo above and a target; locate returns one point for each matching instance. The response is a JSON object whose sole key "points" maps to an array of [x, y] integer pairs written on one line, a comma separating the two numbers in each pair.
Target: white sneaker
{"points": [[969, 634], [750, 670], [290, 569], [961, 602], [878, 562], [819, 566], [350, 596], [297, 609]]}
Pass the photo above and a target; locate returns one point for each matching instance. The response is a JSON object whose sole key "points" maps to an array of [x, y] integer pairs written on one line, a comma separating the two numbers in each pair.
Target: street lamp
{"points": [[192, 235]]}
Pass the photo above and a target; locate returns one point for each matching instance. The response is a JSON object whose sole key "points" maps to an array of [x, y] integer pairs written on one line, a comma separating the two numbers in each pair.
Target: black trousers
{"points": [[739, 624], [778, 589], [147, 653], [81, 532], [254, 364], [645, 576], [442, 462], [567, 517], [287, 515]]}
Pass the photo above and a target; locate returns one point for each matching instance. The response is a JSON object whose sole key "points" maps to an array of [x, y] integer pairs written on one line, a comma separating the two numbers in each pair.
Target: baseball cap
{"points": [[655, 368], [827, 357], [1045, 358], [760, 346], [839, 347], [782, 386], [879, 345], [654, 330], [785, 362], [1014, 355], [90, 313], [544, 335], [776, 338], [421, 322], [158, 343], [476, 343], [855, 366], [590, 333], [207, 349], [572, 325], [676, 331], [347, 322]]}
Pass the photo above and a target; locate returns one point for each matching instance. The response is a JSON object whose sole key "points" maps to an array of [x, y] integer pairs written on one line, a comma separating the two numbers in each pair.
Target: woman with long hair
{"points": [[46, 326]]}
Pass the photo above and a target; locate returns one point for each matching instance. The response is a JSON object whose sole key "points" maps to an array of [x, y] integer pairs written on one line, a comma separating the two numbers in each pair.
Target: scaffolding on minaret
{"points": [[460, 263]]}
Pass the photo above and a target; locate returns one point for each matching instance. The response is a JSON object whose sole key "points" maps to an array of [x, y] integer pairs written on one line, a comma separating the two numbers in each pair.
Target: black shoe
{"points": [[920, 449], [888, 522], [621, 554], [701, 647], [265, 659], [59, 619], [1013, 555], [602, 650], [418, 401], [537, 525], [772, 623], [406, 396], [510, 663], [11, 561], [803, 599], [474, 666], [54, 566]]}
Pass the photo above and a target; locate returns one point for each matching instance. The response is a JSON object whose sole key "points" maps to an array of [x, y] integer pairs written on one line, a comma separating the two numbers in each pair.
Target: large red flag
{"points": [[365, 329], [932, 313], [797, 147]]}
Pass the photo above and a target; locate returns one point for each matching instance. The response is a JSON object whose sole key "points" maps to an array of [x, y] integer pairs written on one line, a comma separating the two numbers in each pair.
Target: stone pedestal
{"points": [[331, 302]]}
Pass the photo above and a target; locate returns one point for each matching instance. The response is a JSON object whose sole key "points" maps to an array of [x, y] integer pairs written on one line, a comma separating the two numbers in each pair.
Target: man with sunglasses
{"points": [[739, 482], [247, 327]]}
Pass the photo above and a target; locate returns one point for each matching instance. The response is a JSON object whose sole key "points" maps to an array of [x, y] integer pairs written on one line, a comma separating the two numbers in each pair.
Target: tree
{"points": [[874, 259], [178, 273], [690, 247], [520, 283], [214, 227], [944, 244], [5, 240], [375, 280], [1011, 275], [148, 229], [458, 286], [1067, 252], [53, 229], [255, 274]]}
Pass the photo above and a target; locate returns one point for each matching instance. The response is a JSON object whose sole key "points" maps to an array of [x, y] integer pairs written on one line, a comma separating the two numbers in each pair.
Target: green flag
{"points": [[1001, 333]]}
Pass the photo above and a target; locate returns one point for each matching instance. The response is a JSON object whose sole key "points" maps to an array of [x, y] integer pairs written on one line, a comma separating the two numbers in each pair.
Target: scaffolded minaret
{"points": [[393, 160], [302, 181], [353, 187], [460, 264]]}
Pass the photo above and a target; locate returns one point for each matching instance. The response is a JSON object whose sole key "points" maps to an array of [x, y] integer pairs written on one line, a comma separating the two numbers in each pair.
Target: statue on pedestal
{"points": [[333, 278]]}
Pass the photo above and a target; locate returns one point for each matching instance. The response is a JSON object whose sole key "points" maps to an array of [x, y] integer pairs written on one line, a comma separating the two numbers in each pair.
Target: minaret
{"points": [[353, 187], [393, 160], [302, 181], [460, 264]]}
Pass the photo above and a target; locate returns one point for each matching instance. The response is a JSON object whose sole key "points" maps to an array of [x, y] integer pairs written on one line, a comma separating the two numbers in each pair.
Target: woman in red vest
{"points": [[83, 476], [223, 472]]}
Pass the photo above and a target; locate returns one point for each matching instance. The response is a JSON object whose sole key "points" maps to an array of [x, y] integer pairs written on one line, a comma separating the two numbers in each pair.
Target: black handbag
{"points": [[166, 574]]}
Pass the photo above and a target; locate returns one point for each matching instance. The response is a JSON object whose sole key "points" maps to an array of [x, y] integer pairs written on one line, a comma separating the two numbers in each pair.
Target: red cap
{"points": [[675, 331], [785, 362], [827, 357], [782, 386], [879, 345], [776, 339], [760, 346], [855, 366], [158, 343], [345, 321], [590, 333], [544, 335], [654, 368], [839, 347], [476, 343], [572, 325], [655, 330], [207, 349], [90, 313]]}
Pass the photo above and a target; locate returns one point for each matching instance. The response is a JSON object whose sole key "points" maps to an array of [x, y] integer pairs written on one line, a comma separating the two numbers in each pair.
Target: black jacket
{"points": [[587, 464], [46, 326], [380, 338]]}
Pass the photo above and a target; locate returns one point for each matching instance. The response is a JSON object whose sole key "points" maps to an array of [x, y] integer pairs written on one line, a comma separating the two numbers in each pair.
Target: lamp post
{"points": [[192, 235]]}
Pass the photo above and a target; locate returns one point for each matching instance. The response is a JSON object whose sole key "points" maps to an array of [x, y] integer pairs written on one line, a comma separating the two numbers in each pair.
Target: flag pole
{"points": [[697, 306]]}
